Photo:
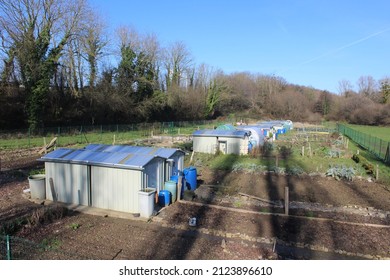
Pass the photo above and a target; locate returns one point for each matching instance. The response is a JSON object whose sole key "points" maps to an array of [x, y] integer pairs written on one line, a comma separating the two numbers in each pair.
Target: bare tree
{"points": [[367, 86], [345, 88], [177, 59], [93, 44]]}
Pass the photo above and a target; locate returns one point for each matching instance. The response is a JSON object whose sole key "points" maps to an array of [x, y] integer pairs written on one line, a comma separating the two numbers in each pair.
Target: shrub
{"points": [[369, 167], [356, 158], [46, 215], [285, 152]]}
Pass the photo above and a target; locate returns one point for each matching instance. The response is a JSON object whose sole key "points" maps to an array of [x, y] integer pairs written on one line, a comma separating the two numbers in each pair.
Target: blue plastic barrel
{"points": [[164, 198], [190, 178], [171, 187]]}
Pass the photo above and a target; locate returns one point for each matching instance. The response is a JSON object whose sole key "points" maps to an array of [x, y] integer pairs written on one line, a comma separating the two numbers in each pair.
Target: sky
{"points": [[309, 43]]}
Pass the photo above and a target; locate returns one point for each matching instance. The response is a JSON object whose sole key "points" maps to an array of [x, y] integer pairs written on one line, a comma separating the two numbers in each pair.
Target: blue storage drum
{"points": [[164, 198], [190, 178]]}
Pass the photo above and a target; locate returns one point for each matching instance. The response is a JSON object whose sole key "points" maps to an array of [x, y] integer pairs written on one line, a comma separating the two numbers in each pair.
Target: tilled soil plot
{"points": [[239, 217]]}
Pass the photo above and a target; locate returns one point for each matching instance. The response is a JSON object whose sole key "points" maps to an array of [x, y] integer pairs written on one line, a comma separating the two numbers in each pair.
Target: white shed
{"points": [[226, 141], [107, 180]]}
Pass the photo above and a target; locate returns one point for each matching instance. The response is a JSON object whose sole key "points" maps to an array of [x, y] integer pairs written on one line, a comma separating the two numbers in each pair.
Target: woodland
{"points": [[60, 65]]}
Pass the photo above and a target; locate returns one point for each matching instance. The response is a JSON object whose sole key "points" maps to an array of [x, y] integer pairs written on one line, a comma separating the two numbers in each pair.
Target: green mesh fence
{"points": [[374, 145]]}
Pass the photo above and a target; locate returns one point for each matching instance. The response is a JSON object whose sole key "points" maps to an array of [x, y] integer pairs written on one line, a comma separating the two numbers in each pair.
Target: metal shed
{"points": [[226, 141], [101, 179]]}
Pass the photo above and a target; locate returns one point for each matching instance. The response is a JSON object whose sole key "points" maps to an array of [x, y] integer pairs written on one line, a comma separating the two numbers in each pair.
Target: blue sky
{"points": [[311, 43]]}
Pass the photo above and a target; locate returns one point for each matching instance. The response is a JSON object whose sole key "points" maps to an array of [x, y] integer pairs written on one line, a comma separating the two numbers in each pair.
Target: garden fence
{"points": [[374, 145], [103, 134]]}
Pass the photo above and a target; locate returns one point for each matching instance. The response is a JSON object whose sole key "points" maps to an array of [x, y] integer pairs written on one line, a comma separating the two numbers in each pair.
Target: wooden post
{"points": [[44, 144], [286, 200], [303, 151], [113, 143], [192, 156], [179, 186], [377, 172], [357, 152]]}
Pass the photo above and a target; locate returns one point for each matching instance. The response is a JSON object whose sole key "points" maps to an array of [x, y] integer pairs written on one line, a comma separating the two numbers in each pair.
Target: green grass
{"points": [[377, 131], [21, 141]]}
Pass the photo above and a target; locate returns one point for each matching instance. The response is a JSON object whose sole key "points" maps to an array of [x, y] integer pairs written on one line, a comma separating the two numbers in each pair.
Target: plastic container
{"points": [[146, 202], [172, 188], [37, 186], [164, 198], [190, 176], [175, 178]]}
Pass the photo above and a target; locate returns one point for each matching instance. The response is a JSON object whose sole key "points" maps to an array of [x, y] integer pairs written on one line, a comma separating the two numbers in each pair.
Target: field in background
{"points": [[377, 131], [105, 134]]}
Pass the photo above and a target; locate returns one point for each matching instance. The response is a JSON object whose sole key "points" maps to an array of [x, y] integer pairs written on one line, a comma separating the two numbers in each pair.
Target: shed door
{"points": [[222, 146]]}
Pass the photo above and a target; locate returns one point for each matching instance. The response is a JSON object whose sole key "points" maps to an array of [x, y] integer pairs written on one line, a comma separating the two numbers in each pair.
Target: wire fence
{"points": [[374, 145], [103, 134], [16, 248]]}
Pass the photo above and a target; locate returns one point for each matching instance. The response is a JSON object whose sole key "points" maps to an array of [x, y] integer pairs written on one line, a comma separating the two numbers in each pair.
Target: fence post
{"points": [[8, 247], [58, 135], [377, 173], [29, 136], [286, 200]]}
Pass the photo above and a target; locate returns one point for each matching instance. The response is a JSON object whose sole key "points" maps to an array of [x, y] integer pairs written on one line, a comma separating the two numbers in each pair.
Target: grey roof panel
{"points": [[90, 157], [58, 153], [221, 133], [142, 150]]}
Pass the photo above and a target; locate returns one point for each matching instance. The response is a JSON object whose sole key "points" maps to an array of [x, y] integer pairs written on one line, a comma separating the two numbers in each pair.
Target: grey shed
{"points": [[101, 179], [226, 141]]}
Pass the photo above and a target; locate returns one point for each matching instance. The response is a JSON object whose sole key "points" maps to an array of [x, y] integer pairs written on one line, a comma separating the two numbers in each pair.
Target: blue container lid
{"points": [[163, 192]]}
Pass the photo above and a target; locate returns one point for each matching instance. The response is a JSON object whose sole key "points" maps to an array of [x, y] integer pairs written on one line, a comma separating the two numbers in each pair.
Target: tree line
{"points": [[61, 66]]}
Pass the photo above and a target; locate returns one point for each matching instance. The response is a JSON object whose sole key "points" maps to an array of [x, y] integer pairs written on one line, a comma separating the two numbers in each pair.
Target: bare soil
{"points": [[238, 216]]}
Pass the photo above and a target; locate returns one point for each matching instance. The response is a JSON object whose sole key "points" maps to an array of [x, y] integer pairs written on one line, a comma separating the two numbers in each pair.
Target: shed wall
{"points": [[115, 189], [70, 182], [205, 144], [209, 145], [236, 146]]}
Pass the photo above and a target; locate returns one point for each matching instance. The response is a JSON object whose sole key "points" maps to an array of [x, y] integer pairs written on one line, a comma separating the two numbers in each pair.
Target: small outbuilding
{"points": [[211, 141], [107, 177]]}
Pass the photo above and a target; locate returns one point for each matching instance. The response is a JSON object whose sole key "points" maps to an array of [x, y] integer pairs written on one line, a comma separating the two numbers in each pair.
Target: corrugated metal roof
{"points": [[221, 133], [141, 150], [256, 128], [59, 153], [99, 158]]}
